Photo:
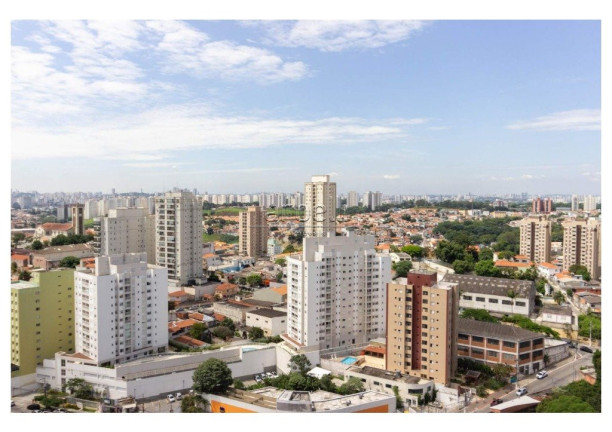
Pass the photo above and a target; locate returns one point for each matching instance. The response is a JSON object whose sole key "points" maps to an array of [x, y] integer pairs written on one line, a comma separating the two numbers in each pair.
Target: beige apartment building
{"points": [[421, 327], [78, 226], [178, 241], [535, 238], [582, 245], [319, 207], [253, 232]]}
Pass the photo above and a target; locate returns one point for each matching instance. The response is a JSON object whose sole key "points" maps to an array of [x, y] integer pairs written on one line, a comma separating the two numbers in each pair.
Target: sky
{"points": [[410, 107]]}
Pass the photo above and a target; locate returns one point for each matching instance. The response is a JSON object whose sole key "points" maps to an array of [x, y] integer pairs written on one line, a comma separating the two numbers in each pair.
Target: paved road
{"points": [[558, 376]]}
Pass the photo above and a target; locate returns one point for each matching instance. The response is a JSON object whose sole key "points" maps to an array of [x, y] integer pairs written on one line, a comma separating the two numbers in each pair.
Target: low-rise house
{"points": [[272, 322], [548, 270], [236, 311], [211, 260], [492, 343], [588, 301], [513, 265], [226, 290], [275, 295], [493, 294], [176, 328], [50, 257], [178, 297], [557, 315], [399, 256], [21, 260], [50, 230]]}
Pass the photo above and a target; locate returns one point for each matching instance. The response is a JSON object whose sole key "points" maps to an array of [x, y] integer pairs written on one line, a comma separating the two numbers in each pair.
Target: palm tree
{"points": [[512, 295], [558, 297]]}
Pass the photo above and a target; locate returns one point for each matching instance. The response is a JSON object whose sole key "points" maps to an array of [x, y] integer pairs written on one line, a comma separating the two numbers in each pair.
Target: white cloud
{"points": [[150, 135], [338, 35], [391, 176], [574, 120]]}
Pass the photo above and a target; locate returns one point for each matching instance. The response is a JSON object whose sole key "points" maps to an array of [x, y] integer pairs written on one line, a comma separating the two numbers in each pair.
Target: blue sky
{"points": [[231, 106]]}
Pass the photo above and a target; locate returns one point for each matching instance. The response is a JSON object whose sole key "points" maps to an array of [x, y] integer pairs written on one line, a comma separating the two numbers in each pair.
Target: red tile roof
{"points": [[218, 317], [175, 326], [177, 294], [18, 257], [196, 316], [375, 349], [53, 226], [226, 287], [188, 340]]}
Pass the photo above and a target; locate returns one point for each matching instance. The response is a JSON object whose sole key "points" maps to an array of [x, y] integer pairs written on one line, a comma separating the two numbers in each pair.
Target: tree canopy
{"points": [[194, 404], [256, 333], [581, 270], [413, 250], [402, 268], [300, 363], [69, 261], [254, 279], [212, 376]]}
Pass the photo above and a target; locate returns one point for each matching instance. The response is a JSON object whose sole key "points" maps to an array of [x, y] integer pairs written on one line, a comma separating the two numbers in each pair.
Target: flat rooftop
{"points": [[494, 330], [268, 313], [384, 374], [491, 285]]}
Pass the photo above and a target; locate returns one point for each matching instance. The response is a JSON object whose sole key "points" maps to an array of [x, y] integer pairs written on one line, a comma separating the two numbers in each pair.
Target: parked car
{"points": [[521, 391], [12, 403], [269, 375], [496, 402], [586, 349], [33, 407], [178, 396], [542, 374], [171, 398], [274, 374], [258, 379]]}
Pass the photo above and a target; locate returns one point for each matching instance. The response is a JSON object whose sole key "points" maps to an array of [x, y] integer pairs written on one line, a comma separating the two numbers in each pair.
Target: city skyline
{"points": [[398, 106]]}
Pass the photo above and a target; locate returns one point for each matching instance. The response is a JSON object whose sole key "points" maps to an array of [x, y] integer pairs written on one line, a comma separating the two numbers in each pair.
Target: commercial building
{"points": [[496, 295], [50, 257], [336, 292], [582, 245], [253, 232], [42, 319], [421, 327], [535, 236], [492, 343], [319, 207], [271, 321], [178, 242], [125, 230], [121, 309]]}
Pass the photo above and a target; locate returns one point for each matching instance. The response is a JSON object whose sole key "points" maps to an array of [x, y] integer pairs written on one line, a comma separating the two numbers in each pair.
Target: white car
{"points": [[178, 396], [269, 375], [171, 398], [258, 379], [521, 391], [542, 374], [273, 375]]}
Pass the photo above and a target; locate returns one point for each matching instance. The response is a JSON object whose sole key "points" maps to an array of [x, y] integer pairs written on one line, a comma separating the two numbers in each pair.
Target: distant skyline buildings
{"points": [[218, 122]]}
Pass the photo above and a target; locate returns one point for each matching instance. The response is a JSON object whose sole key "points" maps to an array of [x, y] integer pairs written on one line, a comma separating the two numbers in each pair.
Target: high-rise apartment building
{"points": [[126, 230], [42, 318], [352, 199], [582, 245], [422, 327], [121, 309], [540, 205], [535, 236], [336, 292], [319, 207], [575, 203], [178, 241], [590, 203], [372, 200], [253, 232]]}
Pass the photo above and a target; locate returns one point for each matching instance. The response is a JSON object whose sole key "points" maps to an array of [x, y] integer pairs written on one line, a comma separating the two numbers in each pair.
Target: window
{"points": [[506, 302], [518, 303], [509, 344], [467, 297], [491, 300], [477, 339], [480, 299], [492, 341]]}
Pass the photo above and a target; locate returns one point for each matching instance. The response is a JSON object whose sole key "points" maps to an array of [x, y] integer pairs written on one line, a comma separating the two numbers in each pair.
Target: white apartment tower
{"points": [[121, 309], [590, 203], [582, 245], [336, 292], [535, 236], [178, 241], [253, 232], [352, 199], [319, 207], [575, 205], [126, 230]]}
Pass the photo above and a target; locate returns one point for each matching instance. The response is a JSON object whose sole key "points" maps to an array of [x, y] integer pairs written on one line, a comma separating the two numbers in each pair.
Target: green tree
{"points": [[299, 363], [227, 322], [462, 266], [564, 404], [511, 294], [212, 376], [256, 333], [449, 252], [37, 245], [413, 250], [416, 238], [24, 275], [402, 268], [242, 281], [589, 325], [502, 371], [17, 237], [289, 249], [279, 276], [69, 261], [558, 297], [223, 332], [504, 255], [352, 386], [171, 305], [239, 385], [254, 279], [194, 404], [485, 254], [197, 330], [80, 388], [399, 403], [14, 267], [541, 286], [326, 383], [280, 261], [487, 268], [478, 315], [580, 270]]}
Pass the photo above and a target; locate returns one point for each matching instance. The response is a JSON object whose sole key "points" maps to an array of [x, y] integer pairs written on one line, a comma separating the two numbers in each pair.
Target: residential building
{"points": [[274, 295], [535, 237], [575, 203], [336, 292], [352, 199], [274, 247], [126, 230], [178, 242], [253, 232], [50, 257], [421, 326], [226, 290], [496, 295], [540, 205], [493, 343], [76, 210], [590, 203], [42, 319], [582, 245], [319, 207], [49, 230], [557, 315], [236, 311], [271, 321], [121, 309]]}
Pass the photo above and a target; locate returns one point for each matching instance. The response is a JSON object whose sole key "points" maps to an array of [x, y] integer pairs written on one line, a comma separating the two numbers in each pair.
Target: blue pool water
{"points": [[348, 360], [248, 349], [231, 269]]}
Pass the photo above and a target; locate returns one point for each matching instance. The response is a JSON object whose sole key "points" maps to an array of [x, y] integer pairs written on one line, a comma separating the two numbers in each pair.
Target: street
{"points": [[558, 376]]}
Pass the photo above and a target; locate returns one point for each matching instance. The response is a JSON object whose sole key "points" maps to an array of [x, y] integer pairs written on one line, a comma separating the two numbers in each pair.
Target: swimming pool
{"points": [[248, 349], [348, 360], [231, 269]]}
